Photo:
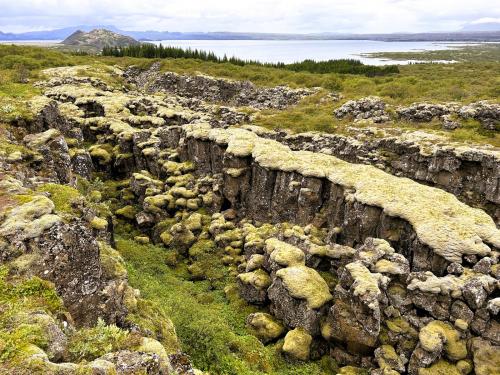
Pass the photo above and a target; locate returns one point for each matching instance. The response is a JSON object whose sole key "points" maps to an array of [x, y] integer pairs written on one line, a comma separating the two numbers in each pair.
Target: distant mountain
{"points": [[479, 32], [98, 39], [57, 34], [487, 26]]}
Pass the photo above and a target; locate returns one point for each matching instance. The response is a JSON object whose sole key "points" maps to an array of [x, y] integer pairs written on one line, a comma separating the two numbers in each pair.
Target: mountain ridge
{"points": [[63, 33]]}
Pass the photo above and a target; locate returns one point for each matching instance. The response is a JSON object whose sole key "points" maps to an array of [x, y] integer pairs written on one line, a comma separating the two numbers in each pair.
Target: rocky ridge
{"points": [[374, 109], [377, 271], [216, 90]]}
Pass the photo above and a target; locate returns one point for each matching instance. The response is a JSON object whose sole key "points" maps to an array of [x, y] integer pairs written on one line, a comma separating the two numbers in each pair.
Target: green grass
{"points": [[209, 324]]}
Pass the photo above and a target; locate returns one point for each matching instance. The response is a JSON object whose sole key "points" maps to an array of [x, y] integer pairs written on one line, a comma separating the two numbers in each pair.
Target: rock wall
{"points": [[470, 173]]}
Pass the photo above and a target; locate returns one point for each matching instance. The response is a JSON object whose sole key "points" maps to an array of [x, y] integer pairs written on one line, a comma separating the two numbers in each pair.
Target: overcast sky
{"points": [[290, 16]]}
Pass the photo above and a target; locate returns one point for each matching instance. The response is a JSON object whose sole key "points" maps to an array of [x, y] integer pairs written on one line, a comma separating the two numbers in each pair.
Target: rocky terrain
{"points": [[369, 251], [373, 109], [97, 39]]}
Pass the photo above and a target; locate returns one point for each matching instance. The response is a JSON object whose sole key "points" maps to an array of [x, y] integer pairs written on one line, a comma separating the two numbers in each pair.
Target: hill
{"points": [[98, 39]]}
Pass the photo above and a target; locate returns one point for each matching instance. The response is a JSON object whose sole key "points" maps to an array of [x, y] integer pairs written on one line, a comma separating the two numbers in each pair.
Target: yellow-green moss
{"points": [[305, 283], [30, 219], [102, 153], [436, 334], [127, 212], [298, 344], [259, 279], [98, 223], [265, 326], [486, 357], [284, 254], [112, 263], [441, 367], [61, 195], [366, 283]]}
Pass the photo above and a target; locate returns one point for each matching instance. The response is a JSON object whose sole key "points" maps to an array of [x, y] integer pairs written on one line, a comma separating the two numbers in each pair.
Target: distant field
{"points": [[471, 53]]}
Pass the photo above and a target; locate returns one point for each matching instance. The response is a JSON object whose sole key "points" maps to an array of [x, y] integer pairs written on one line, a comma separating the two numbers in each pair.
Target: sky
{"points": [[281, 16]]}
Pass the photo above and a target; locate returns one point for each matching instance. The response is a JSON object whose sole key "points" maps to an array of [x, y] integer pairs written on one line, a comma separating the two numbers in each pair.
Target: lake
{"points": [[289, 51]]}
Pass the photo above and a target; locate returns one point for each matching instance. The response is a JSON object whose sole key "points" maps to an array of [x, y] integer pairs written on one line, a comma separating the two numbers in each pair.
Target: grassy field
{"points": [[464, 53]]}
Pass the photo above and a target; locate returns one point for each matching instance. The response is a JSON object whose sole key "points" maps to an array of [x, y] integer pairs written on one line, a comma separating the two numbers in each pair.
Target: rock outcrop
{"points": [[215, 90]]}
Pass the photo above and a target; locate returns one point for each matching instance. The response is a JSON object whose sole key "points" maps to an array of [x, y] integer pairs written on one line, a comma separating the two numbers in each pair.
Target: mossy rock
{"points": [[441, 367], [305, 283], [298, 344], [127, 212], [437, 334], [264, 326], [284, 254]]}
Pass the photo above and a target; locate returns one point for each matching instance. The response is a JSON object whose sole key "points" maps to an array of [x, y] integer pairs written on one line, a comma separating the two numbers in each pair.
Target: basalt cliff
{"points": [[381, 253]]}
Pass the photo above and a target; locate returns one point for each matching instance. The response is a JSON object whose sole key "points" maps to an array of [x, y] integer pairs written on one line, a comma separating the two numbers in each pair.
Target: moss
{"points": [[194, 222], [91, 343], [30, 219], [486, 356], [112, 263], [351, 370], [256, 261], [142, 239], [441, 367], [465, 366], [305, 283], [61, 195], [437, 334], [127, 212], [201, 247], [259, 279], [284, 254], [101, 153], [35, 141], [177, 169], [98, 223], [388, 359], [19, 299], [166, 238], [298, 344], [265, 326], [179, 191], [95, 196], [401, 326], [149, 317]]}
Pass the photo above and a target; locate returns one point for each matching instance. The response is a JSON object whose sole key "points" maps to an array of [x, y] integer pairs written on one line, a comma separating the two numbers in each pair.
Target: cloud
{"points": [[242, 15], [485, 20]]}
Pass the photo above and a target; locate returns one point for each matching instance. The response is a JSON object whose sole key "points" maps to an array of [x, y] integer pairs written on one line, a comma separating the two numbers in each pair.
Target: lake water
{"points": [[289, 51]]}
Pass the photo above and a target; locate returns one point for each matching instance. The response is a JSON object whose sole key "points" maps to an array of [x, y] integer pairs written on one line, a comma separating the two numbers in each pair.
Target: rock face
{"points": [[98, 39], [236, 93], [471, 173]]}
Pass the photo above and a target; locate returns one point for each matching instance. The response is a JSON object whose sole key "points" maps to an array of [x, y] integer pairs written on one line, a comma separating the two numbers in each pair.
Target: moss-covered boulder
{"points": [[264, 326], [298, 344]]}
